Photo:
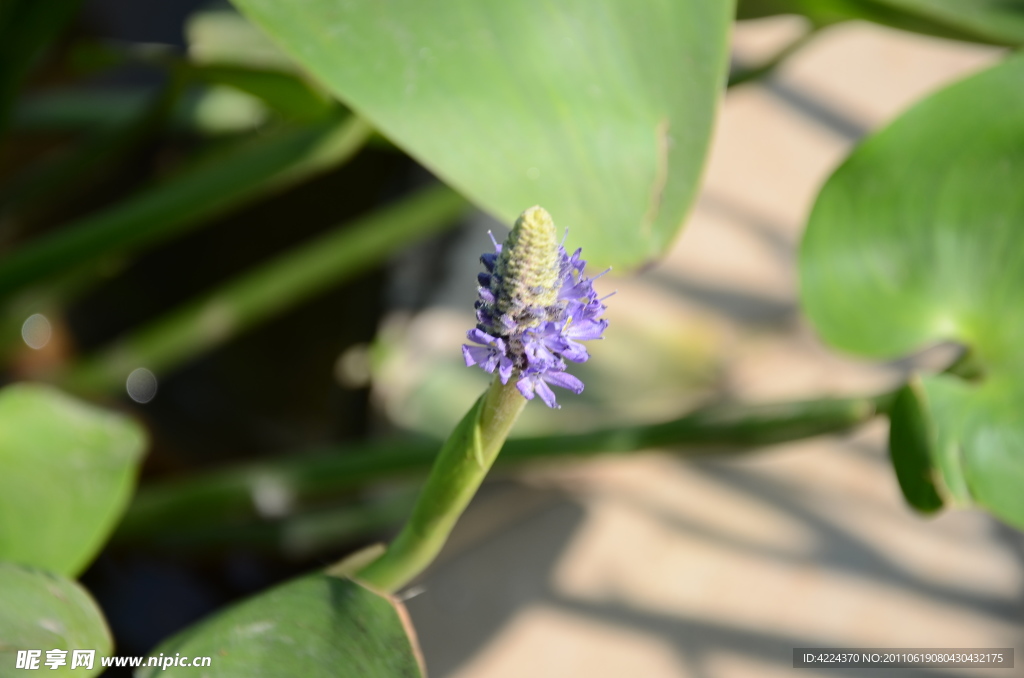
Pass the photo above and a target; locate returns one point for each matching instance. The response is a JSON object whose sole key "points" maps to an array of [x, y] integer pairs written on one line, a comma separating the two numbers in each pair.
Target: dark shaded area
{"points": [[269, 391], [742, 306], [469, 596], [272, 387], [824, 113], [152, 21]]}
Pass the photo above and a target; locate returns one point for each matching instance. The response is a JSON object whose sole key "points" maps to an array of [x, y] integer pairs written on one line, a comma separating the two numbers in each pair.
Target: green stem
{"points": [[229, 495], [261, 294], [967, 366], [300, 535], [460, 468], [742, 75], [269, 162]]}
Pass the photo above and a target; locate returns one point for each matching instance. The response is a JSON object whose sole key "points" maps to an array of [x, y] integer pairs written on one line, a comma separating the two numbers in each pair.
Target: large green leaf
{"points": [[44, 611], [68, 472], [919, 238], [315, 626], [600, 110]]}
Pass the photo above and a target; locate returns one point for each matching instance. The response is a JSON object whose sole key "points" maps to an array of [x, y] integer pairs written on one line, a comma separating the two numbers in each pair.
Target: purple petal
{"points": [[505, 368], [564, 380], [547, 395], [480, 337], [476, 355], [575, 352], [508, 323], [526, 386], [497, 246], [585, 330]]}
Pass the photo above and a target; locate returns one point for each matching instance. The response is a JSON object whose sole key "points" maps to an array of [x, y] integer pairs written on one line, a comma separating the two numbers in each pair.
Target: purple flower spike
{"points": [[534, 307]]}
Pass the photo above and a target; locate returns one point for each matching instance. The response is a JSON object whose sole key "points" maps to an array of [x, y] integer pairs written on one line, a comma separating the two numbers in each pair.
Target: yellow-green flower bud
{"points": [[528, 267]]}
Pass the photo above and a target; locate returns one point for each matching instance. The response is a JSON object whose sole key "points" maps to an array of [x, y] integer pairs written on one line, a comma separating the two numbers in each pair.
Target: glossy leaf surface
{"points": [[315, 626], [912, 446], [598, 109], [919, 238], [44, 611], [69, 470]]}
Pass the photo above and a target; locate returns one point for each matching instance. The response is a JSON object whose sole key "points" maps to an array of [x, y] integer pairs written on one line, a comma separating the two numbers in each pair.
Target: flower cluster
{"points": [[535, 305]]}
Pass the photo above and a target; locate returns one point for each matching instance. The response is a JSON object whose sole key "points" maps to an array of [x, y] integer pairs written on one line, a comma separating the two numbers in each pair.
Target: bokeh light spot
{"points": [[36, 331], [141, 385]]}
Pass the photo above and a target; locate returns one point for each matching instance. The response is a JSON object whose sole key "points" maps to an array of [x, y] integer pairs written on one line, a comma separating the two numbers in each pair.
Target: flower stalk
{"points": [[534, 307], [459, 470]]}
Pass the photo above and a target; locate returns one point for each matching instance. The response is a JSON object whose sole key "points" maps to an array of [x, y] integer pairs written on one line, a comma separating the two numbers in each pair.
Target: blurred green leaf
{"points": [[600, 110], [26, 29], [912, 446], [916, 239], [268, 162], [998, 22], [282, 91], [219, 110], [317, 625], [72, 109], [820, 12], [220, 35], [268, 290], [225, 46], [44, 611], [980, 446], [69, 470], [282, 88], [84, 164]]}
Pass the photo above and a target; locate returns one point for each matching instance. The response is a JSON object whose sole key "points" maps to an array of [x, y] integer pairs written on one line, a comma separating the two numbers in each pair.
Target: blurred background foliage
{"points": [[228, 225]]}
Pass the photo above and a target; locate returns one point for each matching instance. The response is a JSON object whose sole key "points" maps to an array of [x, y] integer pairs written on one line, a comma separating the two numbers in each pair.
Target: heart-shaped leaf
{"points": [[68, 472], [315, 626], [43, 611], [600, 110], [919, 238]]}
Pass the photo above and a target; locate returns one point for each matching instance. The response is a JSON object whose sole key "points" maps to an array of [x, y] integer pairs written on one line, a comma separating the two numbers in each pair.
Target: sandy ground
{"points": [[651, 566]]}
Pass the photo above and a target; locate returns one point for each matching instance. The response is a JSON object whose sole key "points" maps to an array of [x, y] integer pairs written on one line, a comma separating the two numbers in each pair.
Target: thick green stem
{"points": [[229, 495], [459, 470], [967, 366]]}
